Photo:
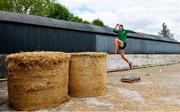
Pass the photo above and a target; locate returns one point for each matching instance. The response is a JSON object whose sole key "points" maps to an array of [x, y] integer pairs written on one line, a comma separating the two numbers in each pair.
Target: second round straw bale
{"points": [[88, 74]]}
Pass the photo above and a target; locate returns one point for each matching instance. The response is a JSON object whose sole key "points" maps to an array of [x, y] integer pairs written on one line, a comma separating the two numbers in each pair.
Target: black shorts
{"points": [[124, 46]]}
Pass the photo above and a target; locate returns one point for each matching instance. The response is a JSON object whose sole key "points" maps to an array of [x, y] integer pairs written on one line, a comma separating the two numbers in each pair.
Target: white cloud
{"points": [[139, 15]]}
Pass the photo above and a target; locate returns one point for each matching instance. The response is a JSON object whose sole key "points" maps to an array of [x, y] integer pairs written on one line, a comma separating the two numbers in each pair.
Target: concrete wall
{"points": [[115, 62]]}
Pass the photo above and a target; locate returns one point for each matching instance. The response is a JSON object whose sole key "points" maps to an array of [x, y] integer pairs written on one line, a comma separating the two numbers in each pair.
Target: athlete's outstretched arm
{"points": [[130, 31]]}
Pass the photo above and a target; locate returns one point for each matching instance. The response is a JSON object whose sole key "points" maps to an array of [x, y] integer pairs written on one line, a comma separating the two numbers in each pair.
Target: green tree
{"points": [[41, 7], [86, 22], [59, 11], [33, 7], [6, 5], [23, 6], [46, 8], [98, 22], [77, 19], [165, 32]]}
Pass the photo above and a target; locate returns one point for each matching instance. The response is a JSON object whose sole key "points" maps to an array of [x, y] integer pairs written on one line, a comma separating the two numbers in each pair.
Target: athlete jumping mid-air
{"points": [[121, 41]]}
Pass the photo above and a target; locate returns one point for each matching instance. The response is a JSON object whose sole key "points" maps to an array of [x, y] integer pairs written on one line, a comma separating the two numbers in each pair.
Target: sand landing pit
{"points": [[88, 75], [37, 80]]}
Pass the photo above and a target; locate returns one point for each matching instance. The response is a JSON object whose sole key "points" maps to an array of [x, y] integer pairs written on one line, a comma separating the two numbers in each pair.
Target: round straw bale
{"points": [[88, 74], [37, 80]]}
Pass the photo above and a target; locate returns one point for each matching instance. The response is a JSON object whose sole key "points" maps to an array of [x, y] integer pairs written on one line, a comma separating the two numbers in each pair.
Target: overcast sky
{"points": [[144, 16]]}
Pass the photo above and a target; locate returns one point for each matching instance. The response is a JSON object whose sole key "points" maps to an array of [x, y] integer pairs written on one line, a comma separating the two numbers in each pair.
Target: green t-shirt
{"points": [[122, 34]]}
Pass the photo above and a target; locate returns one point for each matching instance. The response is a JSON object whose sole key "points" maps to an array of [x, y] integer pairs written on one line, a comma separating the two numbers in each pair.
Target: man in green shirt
{"points": [[121, 41]]}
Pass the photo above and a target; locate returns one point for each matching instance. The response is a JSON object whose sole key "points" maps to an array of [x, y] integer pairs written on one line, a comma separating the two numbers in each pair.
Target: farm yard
{"points": [[158, 90], [56, 65]]}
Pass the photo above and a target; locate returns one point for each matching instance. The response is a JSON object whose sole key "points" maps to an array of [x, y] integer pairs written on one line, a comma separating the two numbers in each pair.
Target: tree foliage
{"points": [[165, 32], [59, 11], [77, 19], [6, 5], [33, 7], [46, 8], [98, 22]]}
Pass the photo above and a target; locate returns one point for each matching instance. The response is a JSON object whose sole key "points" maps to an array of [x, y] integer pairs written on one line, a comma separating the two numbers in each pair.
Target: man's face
{"points": [[120, 27]]}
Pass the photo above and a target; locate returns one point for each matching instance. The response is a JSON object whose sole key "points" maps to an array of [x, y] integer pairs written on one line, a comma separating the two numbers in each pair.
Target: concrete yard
{"points": [[159, 89]]}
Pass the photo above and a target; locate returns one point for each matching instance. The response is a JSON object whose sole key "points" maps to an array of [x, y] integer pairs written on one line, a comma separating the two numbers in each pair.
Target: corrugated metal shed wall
{"points": [[19, 32], [140, 46], [20, 37]]}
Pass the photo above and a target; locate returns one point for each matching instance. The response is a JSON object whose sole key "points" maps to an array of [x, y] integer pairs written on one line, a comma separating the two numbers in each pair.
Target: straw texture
{"points": [[37, 80], [87, 76]]}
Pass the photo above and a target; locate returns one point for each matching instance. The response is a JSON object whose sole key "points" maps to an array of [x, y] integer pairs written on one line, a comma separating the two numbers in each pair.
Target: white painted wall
{"points": [[115, 62]]}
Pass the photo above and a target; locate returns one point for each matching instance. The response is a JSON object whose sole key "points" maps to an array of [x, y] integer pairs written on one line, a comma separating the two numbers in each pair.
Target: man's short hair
{"points": [[121, 25]]}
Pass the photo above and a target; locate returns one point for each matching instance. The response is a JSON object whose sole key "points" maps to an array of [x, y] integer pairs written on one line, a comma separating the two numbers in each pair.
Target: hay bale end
{"points": [[37, 80], [88, 74]]}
